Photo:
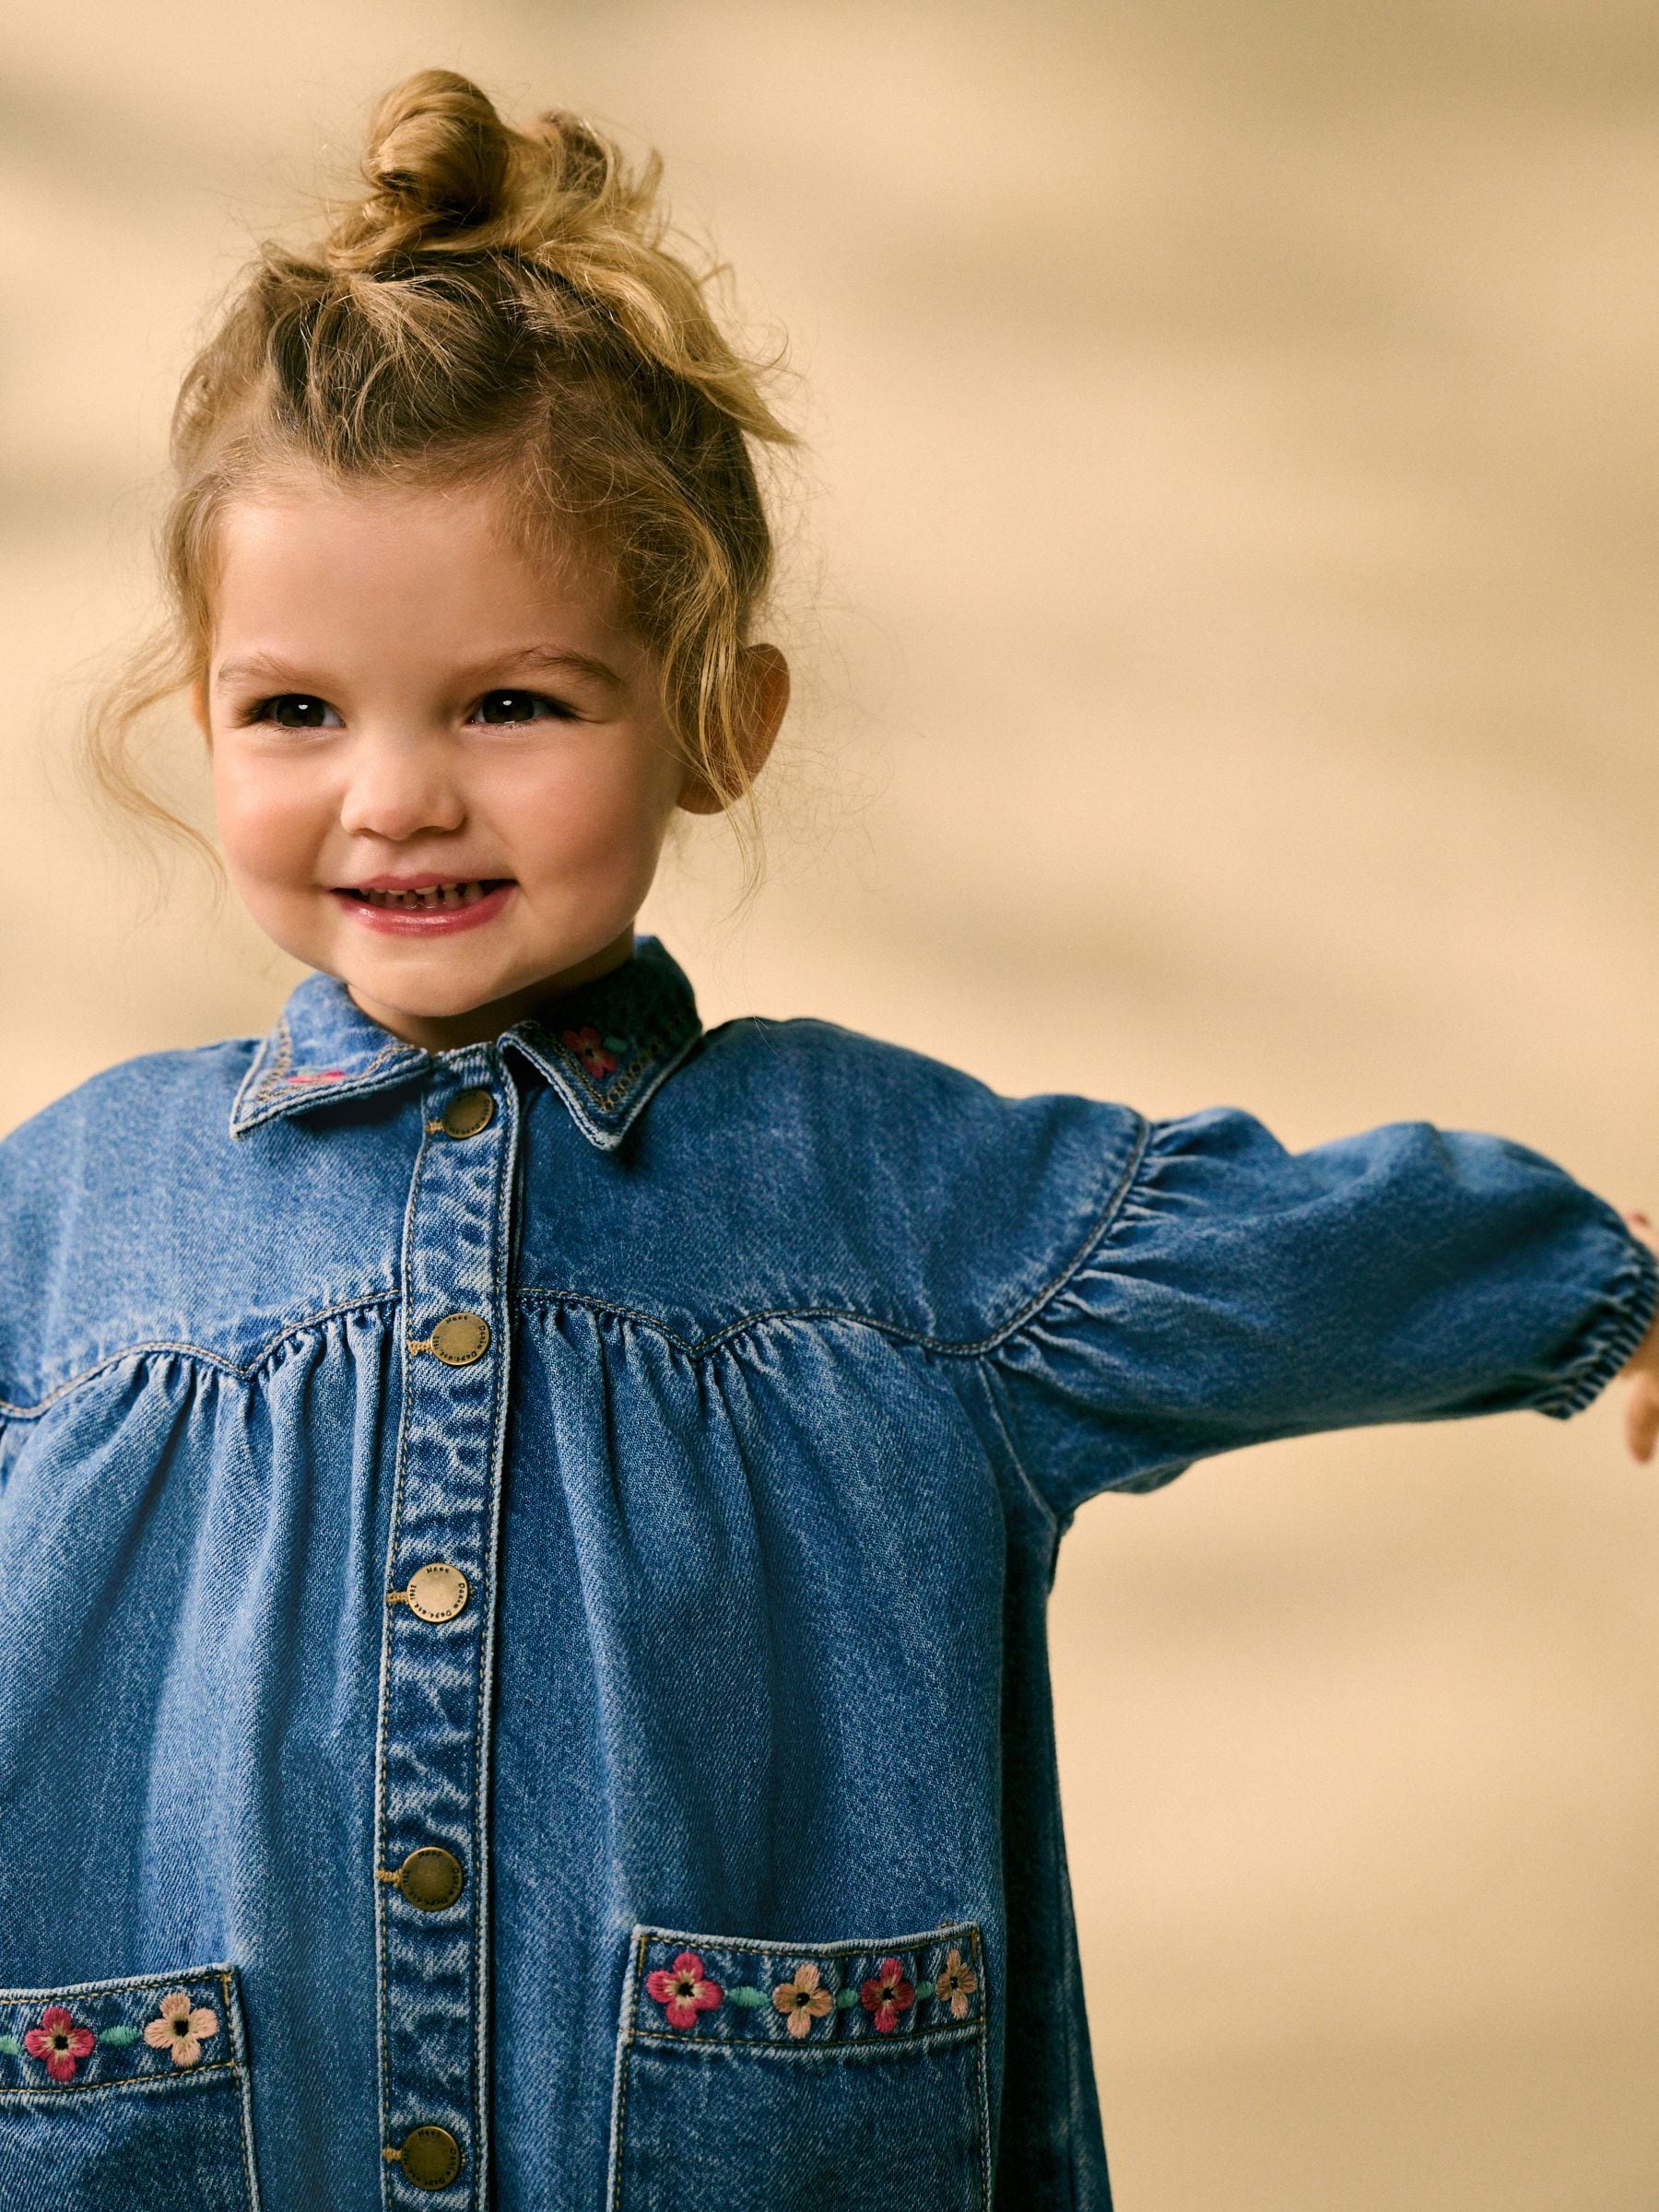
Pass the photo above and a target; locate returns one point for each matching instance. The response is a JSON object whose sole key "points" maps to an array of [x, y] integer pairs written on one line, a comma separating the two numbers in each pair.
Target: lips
{"points": [[429, 907]]}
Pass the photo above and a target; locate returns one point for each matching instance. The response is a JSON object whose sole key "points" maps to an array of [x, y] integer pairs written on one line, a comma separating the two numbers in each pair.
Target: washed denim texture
{"points": [[798, 1354]]}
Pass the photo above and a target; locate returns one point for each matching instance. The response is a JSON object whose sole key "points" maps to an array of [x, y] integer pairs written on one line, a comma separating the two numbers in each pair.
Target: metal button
{"points": [[437, 1592], [460, 1338], [432, 1878], [430, 2157], [468, 1112]]}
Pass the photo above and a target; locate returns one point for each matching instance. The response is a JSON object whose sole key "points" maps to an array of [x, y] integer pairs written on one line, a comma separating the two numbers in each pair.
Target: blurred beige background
{"points": [[1226, 605]]}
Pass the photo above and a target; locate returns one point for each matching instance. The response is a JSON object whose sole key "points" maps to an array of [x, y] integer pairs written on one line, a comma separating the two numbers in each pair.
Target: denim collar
{"points": [[604, 1047]]}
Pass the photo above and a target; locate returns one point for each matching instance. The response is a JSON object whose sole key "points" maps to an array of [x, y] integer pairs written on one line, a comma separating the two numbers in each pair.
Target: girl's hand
{"points": [[1641, 1370]]}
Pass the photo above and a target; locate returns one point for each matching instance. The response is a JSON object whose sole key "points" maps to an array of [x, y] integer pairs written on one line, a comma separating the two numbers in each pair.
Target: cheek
{"points": [[270, 821], [605, 809]]}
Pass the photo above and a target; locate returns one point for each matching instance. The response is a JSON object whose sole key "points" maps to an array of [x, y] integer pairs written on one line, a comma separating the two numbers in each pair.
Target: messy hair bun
{"points": [[439, 163], [444, 172], [500, 302]]}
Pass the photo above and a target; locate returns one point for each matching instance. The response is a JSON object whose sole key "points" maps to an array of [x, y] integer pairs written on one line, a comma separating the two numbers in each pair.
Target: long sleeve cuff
{"points": [[1618, 1325]]}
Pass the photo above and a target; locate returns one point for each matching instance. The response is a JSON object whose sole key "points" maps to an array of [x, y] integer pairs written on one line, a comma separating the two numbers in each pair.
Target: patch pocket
{"points": [[757, 2075], [112, 2090]]}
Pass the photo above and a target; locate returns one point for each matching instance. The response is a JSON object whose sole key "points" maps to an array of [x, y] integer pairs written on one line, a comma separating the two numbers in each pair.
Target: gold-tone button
{"points": [[460, 1338], [437, 1592], [467, 1113], [430, 2157], [432, 1878]]}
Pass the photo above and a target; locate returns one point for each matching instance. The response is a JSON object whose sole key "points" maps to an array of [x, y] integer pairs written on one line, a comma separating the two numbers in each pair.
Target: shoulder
{"points": [[130, 1219], [840, 1173], [919, 1124], [117, 1124], [95, 1182]]}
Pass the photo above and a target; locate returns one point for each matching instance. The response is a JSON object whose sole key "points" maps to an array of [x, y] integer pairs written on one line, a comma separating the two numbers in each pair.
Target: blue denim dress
{"points": [[522, 1575]]}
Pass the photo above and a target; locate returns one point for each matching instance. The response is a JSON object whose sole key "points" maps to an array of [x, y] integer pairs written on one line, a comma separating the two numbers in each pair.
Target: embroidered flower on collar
{"points": [[684, 1991], [956, 1984], [591, 1049], [181, 2028], [802, 2000], [887, 1994], [59, 2042]]}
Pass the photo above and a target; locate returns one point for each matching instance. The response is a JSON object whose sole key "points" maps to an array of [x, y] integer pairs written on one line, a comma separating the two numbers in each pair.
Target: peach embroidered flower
{"points": [[59, 2042], [802, 2000], [181, 2028], [591, 1049], [956, 1984], [886, 1994], [684, 1991]]}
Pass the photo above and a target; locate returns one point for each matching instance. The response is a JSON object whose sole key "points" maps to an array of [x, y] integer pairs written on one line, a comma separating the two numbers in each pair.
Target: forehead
{"points": [[426, 568]]}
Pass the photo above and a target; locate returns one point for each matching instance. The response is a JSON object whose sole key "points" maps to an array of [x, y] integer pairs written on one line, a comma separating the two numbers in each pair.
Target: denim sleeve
{"points": [[1241, 1292]]}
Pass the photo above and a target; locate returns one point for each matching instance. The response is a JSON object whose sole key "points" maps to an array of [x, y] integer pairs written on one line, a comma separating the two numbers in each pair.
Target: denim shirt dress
{"points": [[522, 1575]]}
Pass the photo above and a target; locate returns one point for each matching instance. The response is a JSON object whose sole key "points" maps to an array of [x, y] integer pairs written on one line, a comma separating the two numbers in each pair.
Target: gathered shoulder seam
{"points": [[1099, 1229]]}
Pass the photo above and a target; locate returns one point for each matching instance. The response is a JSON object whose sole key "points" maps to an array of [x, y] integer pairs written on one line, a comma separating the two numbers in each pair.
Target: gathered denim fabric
{"points": [[640, 1482]]}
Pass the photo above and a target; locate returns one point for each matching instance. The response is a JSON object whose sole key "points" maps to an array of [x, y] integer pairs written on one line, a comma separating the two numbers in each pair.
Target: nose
{"points": [[400, 783]]}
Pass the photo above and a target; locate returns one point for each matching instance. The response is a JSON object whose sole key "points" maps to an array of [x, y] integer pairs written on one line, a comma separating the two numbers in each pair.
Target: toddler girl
{"points": [[525, 1526]]}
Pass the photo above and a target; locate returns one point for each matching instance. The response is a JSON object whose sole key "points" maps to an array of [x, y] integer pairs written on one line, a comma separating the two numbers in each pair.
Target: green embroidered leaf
{"points": [[923, 1989], [846, 1999], [118, 2035], [748, 1998], [10, 2045], [616, 1044]]}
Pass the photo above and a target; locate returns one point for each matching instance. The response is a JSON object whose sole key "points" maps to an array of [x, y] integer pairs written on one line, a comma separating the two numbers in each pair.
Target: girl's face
{"points": [[441, 773]]}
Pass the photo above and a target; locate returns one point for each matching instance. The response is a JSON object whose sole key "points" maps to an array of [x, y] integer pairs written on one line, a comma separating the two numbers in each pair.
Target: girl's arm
{"points": [[1236, 1292]]}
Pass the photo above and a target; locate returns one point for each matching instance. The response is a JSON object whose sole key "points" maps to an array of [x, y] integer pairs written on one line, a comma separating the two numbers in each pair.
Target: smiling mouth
{"points": [[432, 898]]}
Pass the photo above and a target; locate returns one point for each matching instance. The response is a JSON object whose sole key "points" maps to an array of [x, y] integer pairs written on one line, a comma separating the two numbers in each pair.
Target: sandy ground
{"points": [[1223, 583]]}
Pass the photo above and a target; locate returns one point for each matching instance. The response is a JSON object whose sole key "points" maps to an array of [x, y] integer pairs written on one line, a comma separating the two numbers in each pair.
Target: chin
{"points": [[421, 990], [433, 1004]]}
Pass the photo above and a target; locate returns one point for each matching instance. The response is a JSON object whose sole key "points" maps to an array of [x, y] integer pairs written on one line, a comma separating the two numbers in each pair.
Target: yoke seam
{"points": [[200, 1353], [693, 1347]]}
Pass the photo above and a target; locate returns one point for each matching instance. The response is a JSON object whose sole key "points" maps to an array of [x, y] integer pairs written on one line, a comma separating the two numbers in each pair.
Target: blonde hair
{"points": [[498, 304]]}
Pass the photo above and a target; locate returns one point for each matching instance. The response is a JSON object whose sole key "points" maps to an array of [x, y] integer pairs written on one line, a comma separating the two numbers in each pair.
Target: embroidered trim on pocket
{"points": [[699, 1989], [94, 2033]]}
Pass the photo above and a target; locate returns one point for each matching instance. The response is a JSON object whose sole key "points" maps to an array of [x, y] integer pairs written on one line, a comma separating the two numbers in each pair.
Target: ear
{"points": [[763, 684]]}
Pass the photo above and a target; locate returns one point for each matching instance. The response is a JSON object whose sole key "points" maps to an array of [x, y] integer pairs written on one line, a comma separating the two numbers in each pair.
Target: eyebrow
{"points": [[556, 657], [553, 658]]}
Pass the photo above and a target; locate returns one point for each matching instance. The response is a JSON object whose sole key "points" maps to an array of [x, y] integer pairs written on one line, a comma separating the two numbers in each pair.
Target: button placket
{"points": [[432, 1824]]}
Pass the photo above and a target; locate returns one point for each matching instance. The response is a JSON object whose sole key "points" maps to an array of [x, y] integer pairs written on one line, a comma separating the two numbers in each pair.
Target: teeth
{"points": [[429, 901]]}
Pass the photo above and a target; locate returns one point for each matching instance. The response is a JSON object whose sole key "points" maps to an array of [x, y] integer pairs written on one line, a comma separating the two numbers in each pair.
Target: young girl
{"points": [[525, 1526]]}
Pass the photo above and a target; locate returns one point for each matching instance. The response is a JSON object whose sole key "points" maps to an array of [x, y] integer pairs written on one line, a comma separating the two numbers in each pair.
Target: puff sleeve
{"points": [[1238, 1292]]}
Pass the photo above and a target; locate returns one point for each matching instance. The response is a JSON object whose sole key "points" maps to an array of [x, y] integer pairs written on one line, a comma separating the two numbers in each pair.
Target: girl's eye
{"points": [[519, 706], [297, 711]]}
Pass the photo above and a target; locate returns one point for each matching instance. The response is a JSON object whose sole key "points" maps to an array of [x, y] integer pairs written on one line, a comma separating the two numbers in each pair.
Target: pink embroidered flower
{"points": [[802, 2000], [590, 1048], [684, 1991], [59, 2042], [956, 1984], [181, 2028], [887, 1994]]}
